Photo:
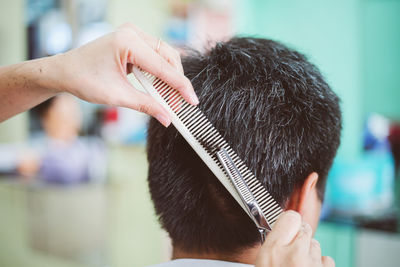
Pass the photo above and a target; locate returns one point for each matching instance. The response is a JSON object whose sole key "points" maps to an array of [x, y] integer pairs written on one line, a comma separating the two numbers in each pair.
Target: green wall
{"points": [[338, 241], [381, 57], [355, 43]]}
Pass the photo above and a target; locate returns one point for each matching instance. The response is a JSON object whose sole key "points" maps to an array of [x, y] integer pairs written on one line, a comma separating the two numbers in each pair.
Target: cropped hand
{"points": [[290, 244], [97, 72]]}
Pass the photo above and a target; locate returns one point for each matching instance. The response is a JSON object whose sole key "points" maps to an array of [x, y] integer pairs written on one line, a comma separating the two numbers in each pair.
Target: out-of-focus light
{"points": [[378, 125], [58, 39], [92, 31]]}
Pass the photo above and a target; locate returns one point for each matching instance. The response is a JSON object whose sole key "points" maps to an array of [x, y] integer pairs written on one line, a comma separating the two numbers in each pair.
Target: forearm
{"points": [[97, 72], [26, 84]]}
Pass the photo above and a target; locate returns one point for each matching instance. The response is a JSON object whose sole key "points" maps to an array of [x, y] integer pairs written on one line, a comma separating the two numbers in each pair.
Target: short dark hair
{"points": [[274, 109]]}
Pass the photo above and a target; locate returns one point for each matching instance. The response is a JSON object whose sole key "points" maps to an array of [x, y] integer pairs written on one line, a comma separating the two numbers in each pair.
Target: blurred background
{"points": [[73, 186]]}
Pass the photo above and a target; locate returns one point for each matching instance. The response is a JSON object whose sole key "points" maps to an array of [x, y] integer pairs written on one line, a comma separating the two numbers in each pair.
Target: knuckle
{"points": [[293, 260], [133, 59], [299, 259], [300, 243], [182, 84], [177, 54], [118, 38], [143, 108], [161, 71], [112, 99], [268, 260], [273, 259], [315, 243], [293, 217], [187, 81], [123, 35], [306, 229], [273, 246], [273, 256], [121, 101], [128, 25]]}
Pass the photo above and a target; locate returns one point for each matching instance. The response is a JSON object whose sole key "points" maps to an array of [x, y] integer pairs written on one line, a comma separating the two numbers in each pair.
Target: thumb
{"points": [[285, 229]]}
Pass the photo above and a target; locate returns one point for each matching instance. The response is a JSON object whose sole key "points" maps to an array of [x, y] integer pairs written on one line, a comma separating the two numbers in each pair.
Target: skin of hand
{"points": [[290, 244], [28, 165], [97, 72]]}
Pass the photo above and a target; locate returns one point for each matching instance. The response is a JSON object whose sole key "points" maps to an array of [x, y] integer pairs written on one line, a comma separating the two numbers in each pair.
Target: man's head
{"points": [[276, 111]]}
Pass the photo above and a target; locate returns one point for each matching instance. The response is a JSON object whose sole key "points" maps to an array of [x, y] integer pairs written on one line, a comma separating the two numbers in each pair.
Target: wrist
{"points": [[45, 72]]}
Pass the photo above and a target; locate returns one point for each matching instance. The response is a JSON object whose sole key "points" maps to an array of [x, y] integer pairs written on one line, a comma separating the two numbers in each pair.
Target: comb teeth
{"points": [[245, 193], [211, 141]]}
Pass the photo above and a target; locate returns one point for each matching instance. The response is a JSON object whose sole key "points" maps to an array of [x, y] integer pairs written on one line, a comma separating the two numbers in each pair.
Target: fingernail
{"points": [[306, 227], [192, 95], [166, 121], [315, 242], [194, 99], [292, 213]]}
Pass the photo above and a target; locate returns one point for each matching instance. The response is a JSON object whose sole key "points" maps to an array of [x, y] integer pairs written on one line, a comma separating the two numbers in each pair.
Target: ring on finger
{"points": [[158, 45]]}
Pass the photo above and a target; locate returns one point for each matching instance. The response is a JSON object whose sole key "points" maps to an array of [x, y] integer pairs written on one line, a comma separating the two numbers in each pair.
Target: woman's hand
{"points": [[290, 244], [96, 72]]}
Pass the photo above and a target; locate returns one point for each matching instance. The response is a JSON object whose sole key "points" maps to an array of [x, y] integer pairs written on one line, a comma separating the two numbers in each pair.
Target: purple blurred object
{"points": [[65, 163]]}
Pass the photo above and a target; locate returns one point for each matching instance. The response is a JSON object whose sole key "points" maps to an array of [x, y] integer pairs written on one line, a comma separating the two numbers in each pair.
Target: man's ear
{"points": [[305, 200]]}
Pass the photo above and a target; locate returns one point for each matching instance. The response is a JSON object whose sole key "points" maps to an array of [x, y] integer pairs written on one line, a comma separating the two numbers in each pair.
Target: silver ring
{"points": [[158, 45]]}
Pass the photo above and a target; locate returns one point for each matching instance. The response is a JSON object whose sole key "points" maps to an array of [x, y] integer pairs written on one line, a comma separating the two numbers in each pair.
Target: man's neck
{"points": [[247, 256]]}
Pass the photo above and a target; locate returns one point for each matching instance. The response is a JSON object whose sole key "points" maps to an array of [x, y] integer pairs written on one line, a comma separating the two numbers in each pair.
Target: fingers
{"points": [[171, 55], [150, 61], [315, 251], [290, 243], [146, 104], [303, 238], [328, 261], [285, 229], [166, 67]]}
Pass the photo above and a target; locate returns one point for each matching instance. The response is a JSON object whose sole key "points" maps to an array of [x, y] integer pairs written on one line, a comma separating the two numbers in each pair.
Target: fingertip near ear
{"points": [[286, 228], [290, 217]]}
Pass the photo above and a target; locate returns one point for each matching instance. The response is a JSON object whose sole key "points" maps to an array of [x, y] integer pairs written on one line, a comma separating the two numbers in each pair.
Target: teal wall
{"points": [[355, 44], [338, 242], [381, 57]]}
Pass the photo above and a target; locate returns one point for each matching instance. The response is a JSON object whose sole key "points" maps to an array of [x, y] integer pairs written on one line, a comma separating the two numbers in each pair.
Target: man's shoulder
{"points": [[200, 262]]}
